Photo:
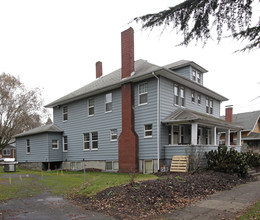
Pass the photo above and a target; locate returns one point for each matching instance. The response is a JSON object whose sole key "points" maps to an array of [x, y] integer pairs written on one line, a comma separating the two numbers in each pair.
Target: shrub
{"points": [[252, 159], [227, 161]]}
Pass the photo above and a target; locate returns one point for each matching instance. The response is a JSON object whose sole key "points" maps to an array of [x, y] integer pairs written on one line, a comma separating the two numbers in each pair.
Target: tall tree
{"points": [[195, 19], [20, 108]]}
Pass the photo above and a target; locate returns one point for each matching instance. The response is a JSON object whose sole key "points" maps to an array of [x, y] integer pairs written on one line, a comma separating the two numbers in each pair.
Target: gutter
{"points": [[158, 121]]}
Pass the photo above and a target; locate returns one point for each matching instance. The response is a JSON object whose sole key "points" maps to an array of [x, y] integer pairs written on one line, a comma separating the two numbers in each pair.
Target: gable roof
{"points": [[247, 120], [252, 136], [143, 70], [184, 115], [46, 128]]}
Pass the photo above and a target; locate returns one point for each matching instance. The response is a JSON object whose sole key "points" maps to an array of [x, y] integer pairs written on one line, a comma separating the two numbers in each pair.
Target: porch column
{"points": [[194, 133], [227, 136], [239, 138], [214, 136]]}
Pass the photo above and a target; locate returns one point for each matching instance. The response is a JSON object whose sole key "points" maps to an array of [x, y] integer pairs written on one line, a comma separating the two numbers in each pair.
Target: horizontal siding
{"points": [[147, 114], [55, 154], [38, 148], [79, 123]]}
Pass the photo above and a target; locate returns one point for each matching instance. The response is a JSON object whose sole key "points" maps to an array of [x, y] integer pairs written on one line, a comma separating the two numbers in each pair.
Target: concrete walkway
{"points": [[222, 205]]}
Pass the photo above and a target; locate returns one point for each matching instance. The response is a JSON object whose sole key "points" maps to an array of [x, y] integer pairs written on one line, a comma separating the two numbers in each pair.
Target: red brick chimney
{"points": [[128, 139], [98, 69], [229, 113]]}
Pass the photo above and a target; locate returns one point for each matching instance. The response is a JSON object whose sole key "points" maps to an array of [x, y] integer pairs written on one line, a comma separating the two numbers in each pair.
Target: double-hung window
{"points": [[55, 144], [28, 147], [182, 97], [86, 141], [209, 106], [90, 141], [113, 134], [108, 102], [199, 99], [148, 130], [94, 136], [176, 95], [90, 106], [65, 143], [143, 94], [196, 76], [192, 96], [65, 113], [6, 152]]}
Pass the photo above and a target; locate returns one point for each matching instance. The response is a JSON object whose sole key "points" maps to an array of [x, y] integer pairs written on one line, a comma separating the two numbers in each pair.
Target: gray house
{"points": [[133, 119]]}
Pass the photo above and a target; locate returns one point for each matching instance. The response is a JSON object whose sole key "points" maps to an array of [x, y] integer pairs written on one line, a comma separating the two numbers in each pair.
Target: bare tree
{"points": [[195, 19], [20, 108]]}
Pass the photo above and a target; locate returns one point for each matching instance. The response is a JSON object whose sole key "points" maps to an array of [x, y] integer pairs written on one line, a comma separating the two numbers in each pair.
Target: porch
{"points": [[191, 132]]}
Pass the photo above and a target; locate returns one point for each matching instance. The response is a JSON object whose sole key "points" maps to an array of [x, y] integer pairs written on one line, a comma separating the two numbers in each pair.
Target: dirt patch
{"points": [[156, 197]]}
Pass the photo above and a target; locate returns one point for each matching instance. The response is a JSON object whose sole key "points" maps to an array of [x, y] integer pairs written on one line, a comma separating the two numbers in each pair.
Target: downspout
{"points": [[158, 121]]}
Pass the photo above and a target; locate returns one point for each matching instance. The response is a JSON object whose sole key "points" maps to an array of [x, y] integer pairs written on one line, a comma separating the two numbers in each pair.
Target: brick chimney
{"points": [[128, 139], [127, 49], [229, 113], [98, 69]]}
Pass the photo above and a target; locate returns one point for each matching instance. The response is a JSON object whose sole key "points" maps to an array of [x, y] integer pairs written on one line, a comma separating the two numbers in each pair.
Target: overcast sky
{"points": [[54, 45]]}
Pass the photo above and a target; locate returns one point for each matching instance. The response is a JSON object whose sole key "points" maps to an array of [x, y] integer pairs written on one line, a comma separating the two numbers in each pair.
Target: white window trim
{"points": [[65, 113], [111, 135], [176, 96], [94, 149], [150, 136], [63, 144], [193, 93], [57, 144], [91, 107], [144, 93], [89, 141], [28, 146], [199, 95], [4, 152], [108, 102]]}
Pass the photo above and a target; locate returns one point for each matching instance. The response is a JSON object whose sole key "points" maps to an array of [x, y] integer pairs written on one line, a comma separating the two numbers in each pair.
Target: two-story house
{"points": [[133, 119]]}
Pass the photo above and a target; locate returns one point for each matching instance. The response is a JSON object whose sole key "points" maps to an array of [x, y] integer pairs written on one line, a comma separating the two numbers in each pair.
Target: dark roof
{"points": [[183, 63], [143, 70], [46, 128], [252, 136], [184, 115], [247, 120]]}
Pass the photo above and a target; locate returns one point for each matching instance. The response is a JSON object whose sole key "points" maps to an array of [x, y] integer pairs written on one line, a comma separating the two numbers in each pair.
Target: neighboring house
{"points": [[8, 152], [133, 119], [250, 122]]}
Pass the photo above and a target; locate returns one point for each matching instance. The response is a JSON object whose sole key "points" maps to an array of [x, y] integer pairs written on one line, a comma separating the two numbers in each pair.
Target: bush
{"points": [[252, 159], [227, 161]]}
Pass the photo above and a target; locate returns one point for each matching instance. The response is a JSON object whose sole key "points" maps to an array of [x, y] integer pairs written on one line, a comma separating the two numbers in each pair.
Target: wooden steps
{"points": [[180, 164]]}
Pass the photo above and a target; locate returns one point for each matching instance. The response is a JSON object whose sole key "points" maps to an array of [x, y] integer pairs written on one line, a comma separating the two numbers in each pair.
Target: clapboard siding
{"points": [[79, 123], [55, 154], [147, 114], [184, 71], [39, 150]]}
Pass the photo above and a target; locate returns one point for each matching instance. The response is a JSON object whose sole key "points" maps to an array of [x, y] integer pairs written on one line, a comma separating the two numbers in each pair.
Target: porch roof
{"points": [[252, 136], [184, 115]]}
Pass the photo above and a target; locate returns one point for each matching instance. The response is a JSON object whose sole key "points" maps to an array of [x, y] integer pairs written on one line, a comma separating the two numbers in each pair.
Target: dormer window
{"points": [[196, 76]]}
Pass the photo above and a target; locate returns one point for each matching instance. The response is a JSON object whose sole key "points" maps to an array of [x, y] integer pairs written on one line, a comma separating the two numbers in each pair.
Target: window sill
{"points": [[148, 137], [85, 149], [142, 104], [108, 111], [65, 151], [94, 149]]}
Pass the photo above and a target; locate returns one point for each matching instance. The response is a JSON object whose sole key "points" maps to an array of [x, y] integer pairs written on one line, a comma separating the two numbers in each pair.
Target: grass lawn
{"points": [[24, 183], [252, 213]]}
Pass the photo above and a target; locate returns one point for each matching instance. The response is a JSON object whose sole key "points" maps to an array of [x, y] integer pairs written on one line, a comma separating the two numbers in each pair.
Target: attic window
{"points": [[196, 76]]}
